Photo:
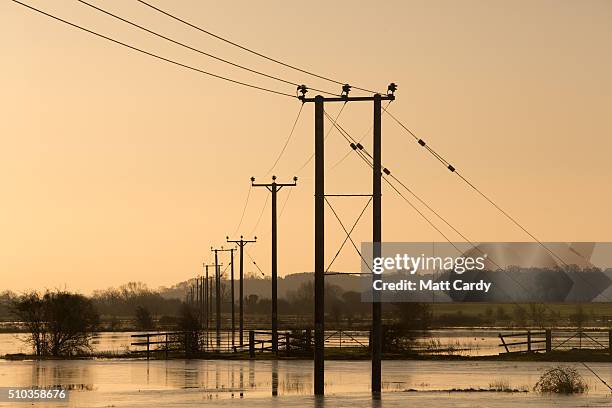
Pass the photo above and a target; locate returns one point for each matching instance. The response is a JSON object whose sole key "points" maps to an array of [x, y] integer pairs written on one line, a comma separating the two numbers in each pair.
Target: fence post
{"points": [[147, 346], [548, 340], [166, 346], [529, 341], [251, 343], [610, 341]]}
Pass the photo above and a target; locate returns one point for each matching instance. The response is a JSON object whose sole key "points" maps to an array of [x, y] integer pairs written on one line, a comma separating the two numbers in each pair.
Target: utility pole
{"points": [[210, 300], [218, 300], [274, 188], [202, 298], [241, 243], [207, 300], [218, 291], [232, 295], [376, 248], [319, 257], [197, 296]]}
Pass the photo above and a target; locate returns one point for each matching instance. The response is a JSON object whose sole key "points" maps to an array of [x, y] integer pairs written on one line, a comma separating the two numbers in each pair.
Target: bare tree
{"points": [[28, 308], [60, 323]]}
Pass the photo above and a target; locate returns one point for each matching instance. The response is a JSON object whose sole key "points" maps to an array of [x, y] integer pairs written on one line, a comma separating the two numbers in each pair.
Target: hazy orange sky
{"points": [[116, 167]]}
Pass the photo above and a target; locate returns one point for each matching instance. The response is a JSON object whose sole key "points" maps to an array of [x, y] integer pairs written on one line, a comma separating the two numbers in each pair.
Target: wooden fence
{"points": [[289, 342], [556, 340]]}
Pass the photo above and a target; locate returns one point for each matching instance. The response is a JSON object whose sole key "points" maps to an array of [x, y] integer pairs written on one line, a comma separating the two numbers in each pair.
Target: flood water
{"points": [[467, 342], [181, 383]]}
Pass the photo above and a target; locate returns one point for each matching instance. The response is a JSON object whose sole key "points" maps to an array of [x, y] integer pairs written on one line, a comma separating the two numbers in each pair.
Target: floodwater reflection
{"points": [[134, 383]]}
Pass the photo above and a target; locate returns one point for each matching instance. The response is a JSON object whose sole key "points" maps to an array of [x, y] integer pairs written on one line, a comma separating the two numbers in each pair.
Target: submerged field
{"points": [[174, 383]]}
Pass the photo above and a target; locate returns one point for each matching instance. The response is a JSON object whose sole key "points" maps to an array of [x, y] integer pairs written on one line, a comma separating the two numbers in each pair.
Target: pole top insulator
{"points": [[391, 88], [252, 179], [295, 178], [255, 238], [301, 89], [273, 177], [346, 89]]}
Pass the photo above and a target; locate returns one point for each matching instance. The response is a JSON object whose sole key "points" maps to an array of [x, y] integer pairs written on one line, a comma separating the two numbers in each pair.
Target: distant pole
{"points": [[218, 290], [274, 188], [210, 300], [207, 301], [218, 299], [232, 294], [241, 243], [202, 296], [376, 242], [197, 298]]}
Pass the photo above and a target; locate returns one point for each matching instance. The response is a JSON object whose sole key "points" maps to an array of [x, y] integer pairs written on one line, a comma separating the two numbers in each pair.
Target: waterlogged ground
{"points": [[185, 383]]}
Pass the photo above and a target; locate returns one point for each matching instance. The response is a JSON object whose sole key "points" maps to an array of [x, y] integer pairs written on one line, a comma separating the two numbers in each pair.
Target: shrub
{"points": [[561, 380]]}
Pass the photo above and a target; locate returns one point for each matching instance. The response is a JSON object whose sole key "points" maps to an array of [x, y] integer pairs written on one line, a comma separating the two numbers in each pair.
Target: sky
{"points": [[117, 167]]}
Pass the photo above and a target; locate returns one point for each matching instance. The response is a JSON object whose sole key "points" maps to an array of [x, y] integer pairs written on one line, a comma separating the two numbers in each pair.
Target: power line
{"points": [[254, 263], [595, 374], [280, 214], [452, 169], [244, 48], [246, 203], [196, 49], [260, 215], [180, 64], [384, 110], [286, 141]]}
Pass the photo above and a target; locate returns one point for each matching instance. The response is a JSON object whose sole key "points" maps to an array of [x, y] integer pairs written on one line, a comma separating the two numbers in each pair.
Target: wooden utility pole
{"points": [[197, 297], [376, 248], [319, 256], [210, 300], [207, 300], [218, 299], [241, 243], [274, 188], [319, 251]]}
